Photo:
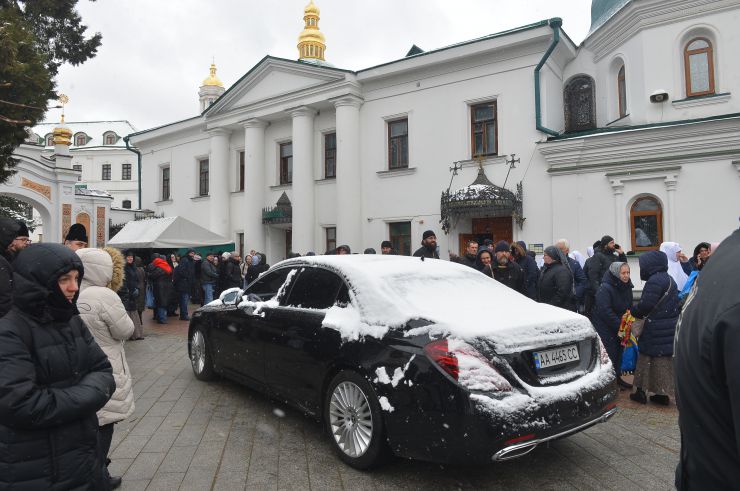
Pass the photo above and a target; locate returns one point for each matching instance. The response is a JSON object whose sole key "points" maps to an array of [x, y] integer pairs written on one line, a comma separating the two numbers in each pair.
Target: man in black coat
{"points": [[470, 258], [428, 247], [603, 257], [556, 281], [529, 267], [232, 274], [507, 271], [707, 369], [580, 281], [53, 378], [183, 279], [8, 233]]}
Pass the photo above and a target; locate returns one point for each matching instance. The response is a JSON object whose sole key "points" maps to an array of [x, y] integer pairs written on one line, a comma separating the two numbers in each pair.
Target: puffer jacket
{"points": [[556, 286], [613, 299], [662, 314], [105, 316], [53, 378]]}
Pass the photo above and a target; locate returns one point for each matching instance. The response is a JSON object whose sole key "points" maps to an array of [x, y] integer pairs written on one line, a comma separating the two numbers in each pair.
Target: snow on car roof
{"points": [[388, 291]]}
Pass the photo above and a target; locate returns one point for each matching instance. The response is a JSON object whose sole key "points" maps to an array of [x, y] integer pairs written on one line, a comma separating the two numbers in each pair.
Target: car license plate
{"points": [[554, 357]]}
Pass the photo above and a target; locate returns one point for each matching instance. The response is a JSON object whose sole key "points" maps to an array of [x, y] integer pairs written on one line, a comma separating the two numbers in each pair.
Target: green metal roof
{"points": [[603, 10]]}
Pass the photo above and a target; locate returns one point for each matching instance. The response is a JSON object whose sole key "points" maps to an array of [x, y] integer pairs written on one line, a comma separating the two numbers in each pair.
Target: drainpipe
{"points": [[138, 164], [555, 23]]}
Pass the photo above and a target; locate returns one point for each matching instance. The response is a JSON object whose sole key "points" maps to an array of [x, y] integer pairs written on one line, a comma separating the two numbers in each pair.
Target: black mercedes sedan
{"points": [[427, 360]]}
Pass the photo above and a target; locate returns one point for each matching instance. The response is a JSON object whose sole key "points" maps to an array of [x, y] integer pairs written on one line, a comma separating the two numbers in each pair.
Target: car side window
{"points": [[315, 288], [268, 285]]}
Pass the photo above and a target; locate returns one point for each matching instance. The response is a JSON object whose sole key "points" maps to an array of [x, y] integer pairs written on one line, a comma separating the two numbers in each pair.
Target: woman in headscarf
{"points": [[701, 253], [556, 281], [578, 257], [485, 260], [673, 251], [660, 308], [613, 299]]}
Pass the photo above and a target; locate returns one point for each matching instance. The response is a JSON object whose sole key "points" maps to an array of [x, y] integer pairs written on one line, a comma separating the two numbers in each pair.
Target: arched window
{"points": [[580, 109], [698, 65], [110, 138], [49, 140], [622, 92], [646, 224], [80, 139], [126, 203]]}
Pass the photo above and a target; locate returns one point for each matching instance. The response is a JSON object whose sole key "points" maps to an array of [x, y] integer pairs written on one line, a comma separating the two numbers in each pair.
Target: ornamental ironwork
{"points": [[480, 199], [282, 212]]}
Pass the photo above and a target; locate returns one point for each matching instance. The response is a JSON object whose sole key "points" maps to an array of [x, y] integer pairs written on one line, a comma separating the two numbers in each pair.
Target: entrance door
{"points": [[501, 228]]}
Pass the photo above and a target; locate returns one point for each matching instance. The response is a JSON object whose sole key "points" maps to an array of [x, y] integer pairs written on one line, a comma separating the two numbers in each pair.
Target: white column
{"points": [[304, 216], [254, 184], [218, 186], [349, 183], [620, 231], [670, 186]]}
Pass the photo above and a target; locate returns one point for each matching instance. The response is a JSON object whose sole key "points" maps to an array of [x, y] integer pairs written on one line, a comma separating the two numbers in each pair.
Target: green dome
{"points": [[603, 10]]}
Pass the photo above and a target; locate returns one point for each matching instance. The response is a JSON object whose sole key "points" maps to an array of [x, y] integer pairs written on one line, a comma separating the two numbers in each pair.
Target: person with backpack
{"points": [[53, 378]]}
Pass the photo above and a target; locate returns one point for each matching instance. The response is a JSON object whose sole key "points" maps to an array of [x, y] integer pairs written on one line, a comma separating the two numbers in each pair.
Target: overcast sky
{"points": [[155, 54]]}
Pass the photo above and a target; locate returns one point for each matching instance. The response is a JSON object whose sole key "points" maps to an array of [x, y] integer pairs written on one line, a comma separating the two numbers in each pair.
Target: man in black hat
{"points": [[428, 247], [603, 257], [386, 247], [76, 237], [507, 271]]}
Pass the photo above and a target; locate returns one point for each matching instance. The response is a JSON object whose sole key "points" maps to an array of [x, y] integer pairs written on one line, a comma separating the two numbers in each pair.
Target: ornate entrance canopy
{"points": [[482, 198]]}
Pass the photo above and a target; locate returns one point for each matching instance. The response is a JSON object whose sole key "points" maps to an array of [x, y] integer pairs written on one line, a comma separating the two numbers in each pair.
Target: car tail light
{"points": [[603, 355], [520, 439], [439, 353], [466, 365]]}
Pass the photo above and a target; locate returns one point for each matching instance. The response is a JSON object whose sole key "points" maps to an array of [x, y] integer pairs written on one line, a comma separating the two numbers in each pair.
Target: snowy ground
{"points": [[201, 436]]}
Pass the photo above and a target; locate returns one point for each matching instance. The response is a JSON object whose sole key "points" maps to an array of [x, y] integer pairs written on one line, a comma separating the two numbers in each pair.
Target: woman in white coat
{"points": [[105, 316]]}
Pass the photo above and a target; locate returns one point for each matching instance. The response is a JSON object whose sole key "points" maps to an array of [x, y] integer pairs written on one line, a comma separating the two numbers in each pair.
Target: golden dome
{"points": [[212, 80], [62, 133], [311, 41], [311, 9]]}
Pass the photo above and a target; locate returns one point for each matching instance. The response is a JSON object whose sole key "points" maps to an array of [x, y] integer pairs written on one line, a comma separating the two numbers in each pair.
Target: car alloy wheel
{"points": [[199, 357], [351, 419], [354, 421]]}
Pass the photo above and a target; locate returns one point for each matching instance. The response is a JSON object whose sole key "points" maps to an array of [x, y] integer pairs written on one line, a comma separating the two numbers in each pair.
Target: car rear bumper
{"points": [[519, 449]]}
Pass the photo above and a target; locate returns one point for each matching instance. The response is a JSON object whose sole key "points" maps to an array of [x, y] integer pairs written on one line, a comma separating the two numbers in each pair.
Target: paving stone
{"points": [[166, 481], [134, 485], [147, 425], [129, 447], [198, 479], [178, 459], [145, 466]]}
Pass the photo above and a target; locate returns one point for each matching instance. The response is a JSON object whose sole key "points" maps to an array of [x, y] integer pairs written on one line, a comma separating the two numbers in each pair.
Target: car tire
{"points": [[354, 421], [200, 355]]}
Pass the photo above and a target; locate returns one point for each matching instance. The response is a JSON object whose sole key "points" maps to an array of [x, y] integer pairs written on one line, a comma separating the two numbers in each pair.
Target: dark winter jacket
{"points": [[579, 279], [53, 379], [556, 286], [426, 253], [467, 260], [531, 273], [184, 275], [613, 299], [599, 264], [660, 326], [232, 275], [131, 287], [8, 229], [707, 368], [208, 272], [511, 275], [160, 276], [141, 285], [255, 271]]}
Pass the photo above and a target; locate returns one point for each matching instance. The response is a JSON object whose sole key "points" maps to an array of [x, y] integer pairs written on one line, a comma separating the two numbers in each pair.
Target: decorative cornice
{"points": [[637, 16], [255, 123]]}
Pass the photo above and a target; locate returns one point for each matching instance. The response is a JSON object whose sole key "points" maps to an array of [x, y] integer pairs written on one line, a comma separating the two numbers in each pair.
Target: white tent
{"points": [[164, 233]]}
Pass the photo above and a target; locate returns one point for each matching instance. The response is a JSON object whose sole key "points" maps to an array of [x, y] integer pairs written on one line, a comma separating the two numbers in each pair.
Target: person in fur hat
{"points": [[105, 316]]}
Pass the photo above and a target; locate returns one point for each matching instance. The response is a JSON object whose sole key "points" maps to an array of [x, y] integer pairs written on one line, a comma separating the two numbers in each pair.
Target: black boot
{"points": [[114, 482], [661, 399], [639, 396]]}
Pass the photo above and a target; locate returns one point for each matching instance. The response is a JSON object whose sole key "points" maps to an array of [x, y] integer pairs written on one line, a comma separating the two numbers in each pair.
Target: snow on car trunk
{"points": [[459, 302]]}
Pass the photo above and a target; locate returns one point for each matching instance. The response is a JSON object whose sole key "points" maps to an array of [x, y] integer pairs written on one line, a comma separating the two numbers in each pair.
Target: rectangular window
{"points": [[126, 172], [400, 233], [330, 155], [106, 172], [484, 129], [241, 170], [331, 238], [78, 168], [203, 177], [398, 144], [165, 183], [286, 163]]}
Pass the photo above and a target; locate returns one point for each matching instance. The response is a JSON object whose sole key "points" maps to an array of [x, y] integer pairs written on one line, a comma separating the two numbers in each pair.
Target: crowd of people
{"points": [[67, 310]]}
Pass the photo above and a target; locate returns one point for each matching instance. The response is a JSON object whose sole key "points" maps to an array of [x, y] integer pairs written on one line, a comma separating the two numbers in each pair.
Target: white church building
{"points": [[634, 133]]}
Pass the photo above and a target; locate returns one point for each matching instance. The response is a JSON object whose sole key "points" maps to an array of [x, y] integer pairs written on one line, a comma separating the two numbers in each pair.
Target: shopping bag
{"points": [[629, 356], [149, 297]]}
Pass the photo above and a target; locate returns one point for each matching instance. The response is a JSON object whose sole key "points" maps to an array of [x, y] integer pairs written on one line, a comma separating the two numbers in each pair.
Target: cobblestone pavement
{"points": [[189, 434]]}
